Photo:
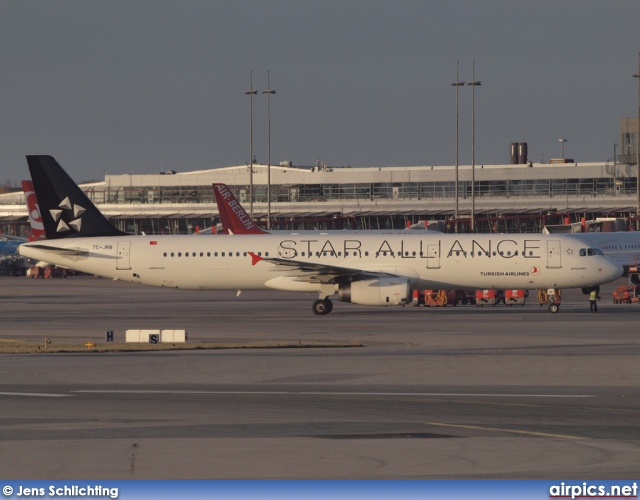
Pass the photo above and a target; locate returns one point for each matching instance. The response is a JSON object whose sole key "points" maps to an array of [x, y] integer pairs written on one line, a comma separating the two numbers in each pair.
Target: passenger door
{"points": [[553, 254], [122, 261], [433, 256]]}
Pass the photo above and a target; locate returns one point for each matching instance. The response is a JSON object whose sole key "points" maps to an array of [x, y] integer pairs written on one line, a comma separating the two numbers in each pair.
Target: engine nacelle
{"points": [[377, 292]]}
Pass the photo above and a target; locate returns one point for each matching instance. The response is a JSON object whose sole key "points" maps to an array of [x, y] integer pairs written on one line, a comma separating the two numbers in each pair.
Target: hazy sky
{"points": [[140, 86]]}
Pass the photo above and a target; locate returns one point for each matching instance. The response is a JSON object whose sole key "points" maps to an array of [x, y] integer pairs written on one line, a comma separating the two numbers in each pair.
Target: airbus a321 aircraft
{"points": [[371, 269]]}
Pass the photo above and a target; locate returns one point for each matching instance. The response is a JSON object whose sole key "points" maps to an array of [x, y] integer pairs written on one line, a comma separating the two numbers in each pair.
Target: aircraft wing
{"points": [[314, 272]]}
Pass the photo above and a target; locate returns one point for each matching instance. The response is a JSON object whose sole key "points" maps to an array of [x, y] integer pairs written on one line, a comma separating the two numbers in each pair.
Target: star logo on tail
{"points": [[71, 213]]}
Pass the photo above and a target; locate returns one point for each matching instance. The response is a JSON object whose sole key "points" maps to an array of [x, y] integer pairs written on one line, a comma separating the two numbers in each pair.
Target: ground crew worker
{"points": [[593, 298]]}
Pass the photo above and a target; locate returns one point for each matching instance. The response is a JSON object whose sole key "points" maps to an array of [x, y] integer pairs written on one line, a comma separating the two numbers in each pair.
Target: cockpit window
{"points": [[590, 251]]}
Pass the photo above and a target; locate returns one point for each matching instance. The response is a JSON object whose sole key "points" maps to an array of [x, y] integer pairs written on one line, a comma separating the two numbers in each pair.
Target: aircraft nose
{"points": [[613, 269]]}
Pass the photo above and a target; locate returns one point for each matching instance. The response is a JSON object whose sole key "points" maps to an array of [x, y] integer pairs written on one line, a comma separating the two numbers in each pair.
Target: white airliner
{"points": [[372, 269]]}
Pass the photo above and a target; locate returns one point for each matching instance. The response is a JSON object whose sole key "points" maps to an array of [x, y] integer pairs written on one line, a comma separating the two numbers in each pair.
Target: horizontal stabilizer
{"points": [[58, 250]]}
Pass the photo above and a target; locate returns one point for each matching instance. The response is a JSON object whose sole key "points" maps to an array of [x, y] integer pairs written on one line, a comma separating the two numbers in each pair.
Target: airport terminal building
{"points": [[506, 198], [521, 196]]}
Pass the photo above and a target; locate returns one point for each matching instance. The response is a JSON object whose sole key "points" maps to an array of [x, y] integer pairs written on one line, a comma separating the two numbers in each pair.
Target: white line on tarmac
{"points": [[510, 431], [35, 394], [316, 393]]}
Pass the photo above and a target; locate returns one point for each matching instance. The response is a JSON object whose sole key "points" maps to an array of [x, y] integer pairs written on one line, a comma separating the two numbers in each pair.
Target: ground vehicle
{"points": [[629, 293], [512, 297]]}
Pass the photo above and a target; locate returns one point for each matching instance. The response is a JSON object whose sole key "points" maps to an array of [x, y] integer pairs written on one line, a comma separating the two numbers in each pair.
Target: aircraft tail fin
{"points": [[36, 231], [66, 210], [234, 218]]}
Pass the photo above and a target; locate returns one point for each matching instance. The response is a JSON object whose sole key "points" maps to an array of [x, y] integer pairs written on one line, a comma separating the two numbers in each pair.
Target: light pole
{"points": [[637, 75], [457, 84], [251, 93], [473, 83], [562, 141], [106, 190], [269, 91]]}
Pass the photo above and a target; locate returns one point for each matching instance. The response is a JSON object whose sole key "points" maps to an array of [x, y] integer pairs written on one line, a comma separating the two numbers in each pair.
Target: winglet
{"points": [[255, 258], [234, 218]]}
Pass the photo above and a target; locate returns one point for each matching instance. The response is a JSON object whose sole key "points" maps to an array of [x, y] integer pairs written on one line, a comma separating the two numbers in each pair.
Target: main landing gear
{"points": [[322, 307]]}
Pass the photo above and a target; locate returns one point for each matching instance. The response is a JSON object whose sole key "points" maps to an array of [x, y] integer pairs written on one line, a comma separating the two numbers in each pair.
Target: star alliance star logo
{"points": [[569, 251], [66, 207]]}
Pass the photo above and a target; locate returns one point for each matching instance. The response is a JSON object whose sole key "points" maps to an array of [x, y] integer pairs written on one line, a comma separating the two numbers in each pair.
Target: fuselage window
{"points": [[186, 254], [171, 254], [366, 254], [164, 254], [208, 254], [222, 254], [266, 254], [179, 254]]}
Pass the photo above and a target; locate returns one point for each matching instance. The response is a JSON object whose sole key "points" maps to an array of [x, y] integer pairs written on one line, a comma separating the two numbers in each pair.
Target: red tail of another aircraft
{"points": [[234, 218], [35, 219]]}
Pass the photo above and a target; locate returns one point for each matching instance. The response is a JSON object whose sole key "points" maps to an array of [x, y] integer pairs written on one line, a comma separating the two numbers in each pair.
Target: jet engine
{"points": [[393, 291]]}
